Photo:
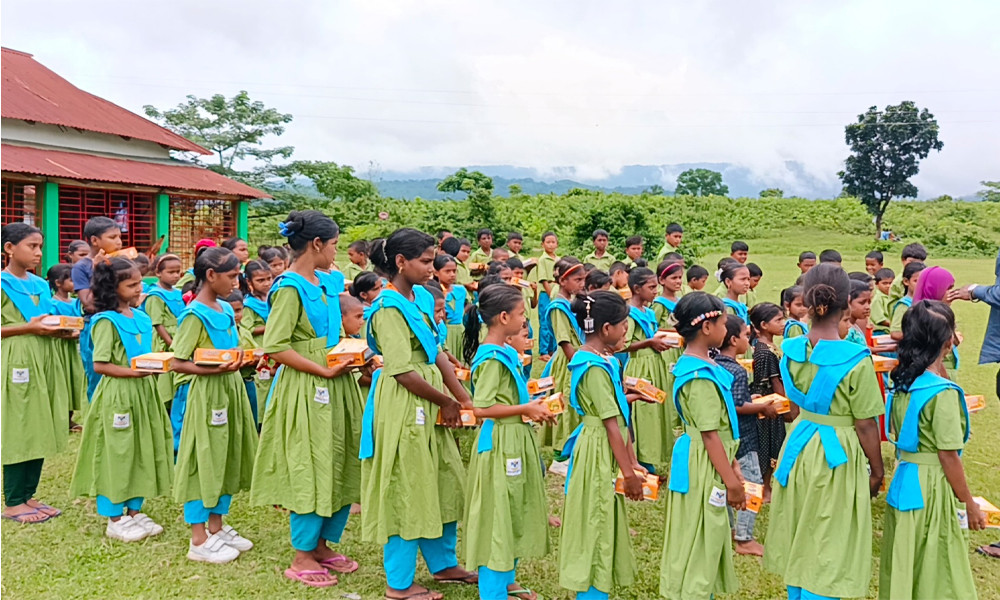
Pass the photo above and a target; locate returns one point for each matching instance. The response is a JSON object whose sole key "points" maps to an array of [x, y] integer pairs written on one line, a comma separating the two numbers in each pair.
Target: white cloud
{"points": [[586, 84]]}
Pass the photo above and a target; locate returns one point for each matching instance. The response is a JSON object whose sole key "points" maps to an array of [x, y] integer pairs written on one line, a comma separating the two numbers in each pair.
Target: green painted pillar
{"points": [[50, 224], [163, 220], [242, 221]]}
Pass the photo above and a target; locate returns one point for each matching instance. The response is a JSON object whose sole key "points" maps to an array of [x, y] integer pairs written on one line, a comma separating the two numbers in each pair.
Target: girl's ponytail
{"points": [[473, 325]]}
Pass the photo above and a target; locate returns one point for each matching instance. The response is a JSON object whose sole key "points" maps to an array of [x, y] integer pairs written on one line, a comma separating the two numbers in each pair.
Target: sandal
{"points": [[22, 517], [45, 509], [75, 427], [522, 594], [426, 594], [993, 550], [340, 564], [300, 576], [469, 578]]}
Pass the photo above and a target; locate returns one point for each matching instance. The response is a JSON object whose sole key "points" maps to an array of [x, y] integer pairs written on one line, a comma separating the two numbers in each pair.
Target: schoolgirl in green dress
{"points": [[796, 313], [446, 272], [736, 279], [215, 435], [819, 534], [670, 274], [412, 477], [910, 277], [595, 552], [506, 509], [257, 281], [67, 350], [925, 550], [704, 473], [650, 421], [164, 303], [859, 311], [126, 453], [31, 429]]}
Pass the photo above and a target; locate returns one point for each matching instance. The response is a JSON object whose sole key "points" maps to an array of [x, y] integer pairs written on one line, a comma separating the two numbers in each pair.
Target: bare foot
{"points": [[355, 509], [767, 495], [457, 574], [555, 521], [22, 513], [750, 547], [414, 592]]}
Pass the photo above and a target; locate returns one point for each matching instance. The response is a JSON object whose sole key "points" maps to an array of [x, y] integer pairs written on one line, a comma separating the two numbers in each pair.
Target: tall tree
{"points": [[991, 191], [654, 190], [700, 182], [886, 149], [772, 193], [336, 182], [233, 128], [478, 189]]}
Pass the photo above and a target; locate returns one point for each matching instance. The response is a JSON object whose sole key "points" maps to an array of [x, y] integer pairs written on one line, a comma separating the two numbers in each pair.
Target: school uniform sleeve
{"points": [[156, 309], [946, 421], [188, 334], [704, 406], [104, 337], [630, 333], [600, 393], [9, 315], [285, 312], [393, 336], [865, 395], [561, 328], [897, 317], [896, 290], [487, 384], [880, 311]]}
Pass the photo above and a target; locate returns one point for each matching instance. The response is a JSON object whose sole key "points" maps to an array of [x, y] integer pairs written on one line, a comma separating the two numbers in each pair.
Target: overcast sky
{"points": [[593, 85]]}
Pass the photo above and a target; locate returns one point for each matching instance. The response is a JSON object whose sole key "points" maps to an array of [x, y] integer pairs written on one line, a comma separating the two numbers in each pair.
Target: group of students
{"points": [[334, 436]]}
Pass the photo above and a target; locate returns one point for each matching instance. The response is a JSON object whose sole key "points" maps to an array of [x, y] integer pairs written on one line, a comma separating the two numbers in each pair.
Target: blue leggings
{"points": [[797, 593], [307, 529], [177, 409], [399, 556], [592, 594], [546, 338], [493, 584], [87, 354], [195, 511], [251, 387], [109, 509]]}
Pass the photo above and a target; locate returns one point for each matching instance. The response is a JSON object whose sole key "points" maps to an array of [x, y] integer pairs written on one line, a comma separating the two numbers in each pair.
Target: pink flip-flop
{"points": [[300, 577], [340, 564]]}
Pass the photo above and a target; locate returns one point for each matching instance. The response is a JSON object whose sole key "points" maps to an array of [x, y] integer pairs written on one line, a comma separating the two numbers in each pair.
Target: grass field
{"points": [[69, 557]]}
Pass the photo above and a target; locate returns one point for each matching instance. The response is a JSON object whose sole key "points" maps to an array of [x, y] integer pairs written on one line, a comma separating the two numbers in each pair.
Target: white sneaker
{"points": [[125, 529], [229, 535], [151, 526], [214, 550]]}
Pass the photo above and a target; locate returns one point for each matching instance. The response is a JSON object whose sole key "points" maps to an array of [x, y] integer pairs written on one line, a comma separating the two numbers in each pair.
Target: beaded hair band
{"points": [[704, 316]]}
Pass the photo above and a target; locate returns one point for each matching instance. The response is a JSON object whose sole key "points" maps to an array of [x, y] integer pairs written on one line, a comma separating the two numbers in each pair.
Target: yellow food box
{"points": [[474, 266], [624, 293], [468, 418], [646, 389], [650, 486], [214, 356], [746, 363], [525, 359], [129, 253], [63, 322], [253, 354], [992, 512], [884, 364], [153, 362], [355, 349], [784, 405], [755, 495], [463, 374], [671, 337], [521, 283], [975, 403], [542, 384], [554, 403], [529, 263]]}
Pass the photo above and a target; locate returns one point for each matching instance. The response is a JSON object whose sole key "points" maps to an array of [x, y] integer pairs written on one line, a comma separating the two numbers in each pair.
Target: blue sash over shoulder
{"points": [[257, 305], [173, 298], [739, 309], [220, 326], [645, 319], [320, 302], [20, 292], [454, 304], [136, 333], [561, 304], [905, 493], [835, 360], [582, 362], [508, 357], [687, 369], [670, 305], [792, 323], [66, 309]]}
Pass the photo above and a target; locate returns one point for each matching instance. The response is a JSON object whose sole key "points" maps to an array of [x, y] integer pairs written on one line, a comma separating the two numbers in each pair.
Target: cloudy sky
{"points": [[592, 85]]}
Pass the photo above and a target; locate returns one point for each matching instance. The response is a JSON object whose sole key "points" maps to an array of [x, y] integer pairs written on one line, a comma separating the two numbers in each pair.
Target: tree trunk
{"points": [[878, 225]]}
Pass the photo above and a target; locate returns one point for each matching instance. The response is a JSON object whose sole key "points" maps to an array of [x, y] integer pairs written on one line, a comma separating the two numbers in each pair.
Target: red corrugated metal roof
{"points": [[87, 167], [32, 92]]}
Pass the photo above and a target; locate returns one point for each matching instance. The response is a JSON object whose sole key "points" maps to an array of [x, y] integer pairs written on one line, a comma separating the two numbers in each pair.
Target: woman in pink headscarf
{"points": [[934, 284]]}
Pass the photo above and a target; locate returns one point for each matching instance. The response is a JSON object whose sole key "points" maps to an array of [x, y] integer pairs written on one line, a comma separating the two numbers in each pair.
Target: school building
{"points": [[68, 155]]}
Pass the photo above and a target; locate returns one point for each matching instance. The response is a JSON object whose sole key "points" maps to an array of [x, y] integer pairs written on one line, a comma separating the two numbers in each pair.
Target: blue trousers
{"points": [[797, 593], [308, 529], [252, 392], [195, 511], [399, 556], [87, 354], [493, 584], [109, 509], [177, 409], [592, 594]]}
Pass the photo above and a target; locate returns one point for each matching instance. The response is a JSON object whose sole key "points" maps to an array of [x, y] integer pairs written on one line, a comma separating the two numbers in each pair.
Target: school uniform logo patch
{"points": [[421, 416], [220, 416], [322, 395], [718, 497], [20, 376], [122, 421], [963, 518], [513, 467]]}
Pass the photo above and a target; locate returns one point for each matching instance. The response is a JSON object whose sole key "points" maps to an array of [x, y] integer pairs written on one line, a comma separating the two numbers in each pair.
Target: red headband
{"points": [[570, 270], [667, 269]]}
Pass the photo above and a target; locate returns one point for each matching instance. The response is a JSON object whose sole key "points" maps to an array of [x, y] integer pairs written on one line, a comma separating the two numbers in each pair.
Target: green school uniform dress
{"points": [[127, 447], [751, 298], [66, 352], [925, 552], [601, 262], [697, 546], [160, 313], [478, 256], [564, 331], [34, 422], [650, 421], [663, 309], [414, 480], [506, 513], [820, 532], [308, 459], [455, 300], [880, 311], [899, 309], [186, 278], [595, 549], [462, 274], [896, 290], [794, 329], [252, 319], [351, 271], [218, 437]]}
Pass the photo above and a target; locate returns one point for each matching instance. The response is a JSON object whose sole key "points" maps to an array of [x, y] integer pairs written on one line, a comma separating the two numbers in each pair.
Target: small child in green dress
{"points": [[505, 516], [796, 313], [558, 324], [880, 300], [858, 312], [126, 453], [928, 421], [595, 550], [67, 350], [256, 284], [910, 277], [164, 303], [704, 471]]}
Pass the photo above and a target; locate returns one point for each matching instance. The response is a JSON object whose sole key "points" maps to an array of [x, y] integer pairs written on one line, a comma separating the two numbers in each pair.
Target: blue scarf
{"points": [[670, 305], [561, 304], [582, 362], [454, 305], [21, 292], [739, 309], [136, 333], [905, 493], [261, 307], [220, 326], [792, 323], [687, 369], [173, 298], [644, 318], [508, 357], [66, 309], [835, 359], [319, 301]]}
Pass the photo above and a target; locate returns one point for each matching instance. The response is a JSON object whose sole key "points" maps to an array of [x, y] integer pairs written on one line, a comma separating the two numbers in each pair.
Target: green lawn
{"points": [[69, 557]]}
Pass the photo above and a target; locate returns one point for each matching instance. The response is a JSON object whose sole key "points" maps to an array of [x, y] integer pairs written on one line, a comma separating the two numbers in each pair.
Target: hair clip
{"points": [[588, 321], [283, 229], [706, 315], [820, 310], [718, 275]]}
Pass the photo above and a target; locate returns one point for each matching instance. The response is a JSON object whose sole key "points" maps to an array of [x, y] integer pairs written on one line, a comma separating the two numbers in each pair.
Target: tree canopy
{"points": [[336, 182], [991, 191], [886, 149], [772, 193], [700, 182], [479, 190]]}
